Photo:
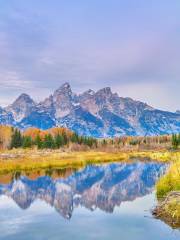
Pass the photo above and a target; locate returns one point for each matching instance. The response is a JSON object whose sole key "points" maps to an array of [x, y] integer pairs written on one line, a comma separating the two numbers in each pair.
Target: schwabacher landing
{"points": [[103, 187], [97, 114]]}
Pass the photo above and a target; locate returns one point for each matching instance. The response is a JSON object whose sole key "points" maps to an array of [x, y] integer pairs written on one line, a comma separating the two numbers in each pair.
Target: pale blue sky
{"points": [[131, 46]]}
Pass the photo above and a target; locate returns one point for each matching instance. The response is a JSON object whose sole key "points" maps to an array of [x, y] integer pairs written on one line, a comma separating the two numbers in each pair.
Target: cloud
{"points": [[12, 79], [120, 44]]}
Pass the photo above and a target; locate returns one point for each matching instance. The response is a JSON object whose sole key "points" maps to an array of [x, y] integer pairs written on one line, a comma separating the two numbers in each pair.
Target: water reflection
{"points": [[102, 187]]}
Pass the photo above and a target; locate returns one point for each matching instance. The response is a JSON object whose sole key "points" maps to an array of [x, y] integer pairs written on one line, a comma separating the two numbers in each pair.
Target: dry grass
{"points": [[170, 181], [169, 209], [168, 194], [30, 160], [20, 159]]}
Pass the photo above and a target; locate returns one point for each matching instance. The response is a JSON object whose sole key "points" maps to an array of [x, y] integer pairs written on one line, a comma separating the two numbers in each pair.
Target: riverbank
{"points": [[168, 209], [168, 194], [30, 159]]}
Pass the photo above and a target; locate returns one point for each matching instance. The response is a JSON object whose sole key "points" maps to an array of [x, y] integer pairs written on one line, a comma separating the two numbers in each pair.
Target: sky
{"points": [[131, 46]]}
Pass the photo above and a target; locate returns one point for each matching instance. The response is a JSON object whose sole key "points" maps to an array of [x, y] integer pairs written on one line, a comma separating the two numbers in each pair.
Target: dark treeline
{"points": [[49, 141], [59, 140], [56, 138]]}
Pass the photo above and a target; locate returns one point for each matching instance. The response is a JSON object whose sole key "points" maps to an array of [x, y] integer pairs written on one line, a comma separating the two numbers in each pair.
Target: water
{"points": [[111, 201]]}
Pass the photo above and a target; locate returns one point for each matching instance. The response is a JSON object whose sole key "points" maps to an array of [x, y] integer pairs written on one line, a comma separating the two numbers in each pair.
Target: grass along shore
{"points": [[168, 194], [170, 181], [167, 188], [31, 159]]}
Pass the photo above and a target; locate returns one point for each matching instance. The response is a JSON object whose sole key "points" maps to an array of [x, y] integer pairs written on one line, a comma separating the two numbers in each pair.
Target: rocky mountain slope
{"points": [[98, 114]]}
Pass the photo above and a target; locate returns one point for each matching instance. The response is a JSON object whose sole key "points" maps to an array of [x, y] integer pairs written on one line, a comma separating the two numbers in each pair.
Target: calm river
{"points": [[111, 201]]}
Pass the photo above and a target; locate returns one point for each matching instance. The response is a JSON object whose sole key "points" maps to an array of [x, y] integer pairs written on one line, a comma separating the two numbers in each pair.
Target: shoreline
{"points": [[168, 196], [31, 159], [168, 208]]}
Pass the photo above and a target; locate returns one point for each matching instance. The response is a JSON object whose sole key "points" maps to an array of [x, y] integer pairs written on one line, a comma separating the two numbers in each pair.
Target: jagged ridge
{"points": [[97, 114]]}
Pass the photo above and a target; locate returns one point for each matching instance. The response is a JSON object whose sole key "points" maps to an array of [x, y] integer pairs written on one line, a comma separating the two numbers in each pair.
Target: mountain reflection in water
{"points": [[95, 186]]}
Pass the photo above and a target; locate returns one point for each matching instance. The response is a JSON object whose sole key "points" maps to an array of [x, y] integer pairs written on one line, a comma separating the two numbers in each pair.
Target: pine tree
{"points": [[179, 139], [58, 141], [27, 142], [175, 141], [48, 141], [16, 140], [65, 138], [95, 142], [38, 142], [90, 141], [104, 143], [75, 138], [80, 140]]}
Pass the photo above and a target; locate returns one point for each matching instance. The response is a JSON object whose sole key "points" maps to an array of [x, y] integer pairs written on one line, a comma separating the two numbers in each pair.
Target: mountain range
{"points": [[98, 114]]}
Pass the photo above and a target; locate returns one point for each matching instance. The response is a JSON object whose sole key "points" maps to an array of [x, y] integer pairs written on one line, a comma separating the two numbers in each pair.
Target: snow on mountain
{"points": [[98, 114]]}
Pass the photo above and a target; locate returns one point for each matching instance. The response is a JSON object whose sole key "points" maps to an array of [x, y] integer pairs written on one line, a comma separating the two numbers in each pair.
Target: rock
{"points": [[97, 114], [169, 209], [21, 108]]}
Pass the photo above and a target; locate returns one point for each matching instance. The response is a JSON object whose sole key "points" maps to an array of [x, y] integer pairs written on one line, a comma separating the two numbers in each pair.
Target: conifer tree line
{"points": [[176, 140], [58, 137], [49, 141]]}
